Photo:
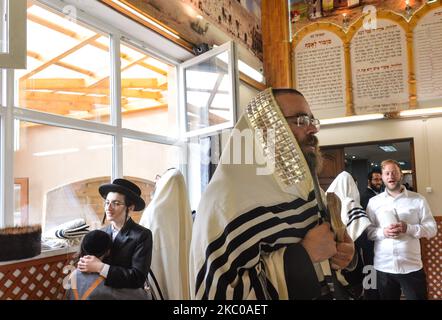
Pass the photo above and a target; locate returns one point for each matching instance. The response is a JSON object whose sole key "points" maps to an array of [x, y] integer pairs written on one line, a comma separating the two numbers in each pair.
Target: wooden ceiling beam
{"points": [[106, 79], [52, 84], [34, 55], [153, 68], [145, 83], [57, 107], [148, 83], [131, 93], [59, 57], [53, 26], [60, 97], [76, 69]]}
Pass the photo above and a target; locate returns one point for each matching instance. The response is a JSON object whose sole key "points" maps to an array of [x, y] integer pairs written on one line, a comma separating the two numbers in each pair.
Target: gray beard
{"points": [[314, 161]]}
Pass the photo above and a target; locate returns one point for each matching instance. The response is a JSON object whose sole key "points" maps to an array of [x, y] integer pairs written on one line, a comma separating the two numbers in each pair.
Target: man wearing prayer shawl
{"points": [[356, 221], [169, 217], [257, 232]]}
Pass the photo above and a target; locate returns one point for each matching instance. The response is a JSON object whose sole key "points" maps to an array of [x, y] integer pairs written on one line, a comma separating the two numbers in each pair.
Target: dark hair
{"points": [[95, 243], [370, 174], [277, 91]]}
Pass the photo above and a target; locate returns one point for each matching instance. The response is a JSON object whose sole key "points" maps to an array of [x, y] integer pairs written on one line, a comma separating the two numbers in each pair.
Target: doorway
{"points": [[360, 158]]}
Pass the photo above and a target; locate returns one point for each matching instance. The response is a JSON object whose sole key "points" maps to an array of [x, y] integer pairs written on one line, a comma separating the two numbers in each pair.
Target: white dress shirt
{"points": [[400, 255]]}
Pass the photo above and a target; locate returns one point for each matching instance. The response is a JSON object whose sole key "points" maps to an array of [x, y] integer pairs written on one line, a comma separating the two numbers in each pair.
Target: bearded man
{"points": [[260, 235]]}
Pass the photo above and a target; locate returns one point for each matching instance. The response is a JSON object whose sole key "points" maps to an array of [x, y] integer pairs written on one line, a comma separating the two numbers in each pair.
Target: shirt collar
{"points": [[404, 192], [114, 229]]}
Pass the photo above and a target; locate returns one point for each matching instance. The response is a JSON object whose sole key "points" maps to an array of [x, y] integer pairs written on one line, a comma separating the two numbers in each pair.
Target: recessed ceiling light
{"points": [[388, 148]]}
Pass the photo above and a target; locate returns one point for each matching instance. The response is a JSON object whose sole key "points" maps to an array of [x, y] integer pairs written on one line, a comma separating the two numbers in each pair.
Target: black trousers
{"points": [[413, 284]]}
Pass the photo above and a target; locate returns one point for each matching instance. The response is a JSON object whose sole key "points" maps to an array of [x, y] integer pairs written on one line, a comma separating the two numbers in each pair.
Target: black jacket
{"points": [[366, 196], [130, 256]]}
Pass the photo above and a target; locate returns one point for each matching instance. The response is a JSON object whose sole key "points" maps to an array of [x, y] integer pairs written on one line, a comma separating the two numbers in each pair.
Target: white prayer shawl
{"points": [[169, 217], [352, 214], [245, 220]]}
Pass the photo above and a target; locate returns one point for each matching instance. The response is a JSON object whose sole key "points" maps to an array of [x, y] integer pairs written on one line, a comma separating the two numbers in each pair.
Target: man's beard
{"points": [[313, 158], [397, 186], [375, 188]]}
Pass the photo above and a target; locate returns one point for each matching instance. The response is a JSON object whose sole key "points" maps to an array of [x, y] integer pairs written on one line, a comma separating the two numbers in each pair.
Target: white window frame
{"points": [[114, 128], [15, 58], [228, 47]]}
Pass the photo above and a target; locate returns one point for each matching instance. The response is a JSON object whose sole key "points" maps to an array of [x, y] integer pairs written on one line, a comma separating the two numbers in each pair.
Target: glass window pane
{"points": [[208, 93], [147, 159], [68, 67], [143, 161], [147, 93], [63, 168], [4, 38]]}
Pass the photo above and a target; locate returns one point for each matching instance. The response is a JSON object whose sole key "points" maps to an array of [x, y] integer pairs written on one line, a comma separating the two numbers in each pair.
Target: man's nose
{"points": [[312, 129]]}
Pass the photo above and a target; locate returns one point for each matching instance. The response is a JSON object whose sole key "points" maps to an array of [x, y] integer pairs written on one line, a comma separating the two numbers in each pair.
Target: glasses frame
{"points": [[114, 204], [304, 121]]}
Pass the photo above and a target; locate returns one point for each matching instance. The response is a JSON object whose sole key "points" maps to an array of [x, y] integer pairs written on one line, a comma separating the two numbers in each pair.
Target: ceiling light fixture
{"points": [[365, 117], [388, 148], [145, 18], [420, 112]]}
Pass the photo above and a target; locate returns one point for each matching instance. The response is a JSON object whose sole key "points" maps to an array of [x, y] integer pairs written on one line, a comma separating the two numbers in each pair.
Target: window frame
{"points": [[16, 17], [233, 78], [11, 111]]}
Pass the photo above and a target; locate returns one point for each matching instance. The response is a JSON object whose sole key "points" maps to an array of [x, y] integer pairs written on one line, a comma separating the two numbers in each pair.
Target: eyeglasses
{"points": [[304, 121], [113, 204]]}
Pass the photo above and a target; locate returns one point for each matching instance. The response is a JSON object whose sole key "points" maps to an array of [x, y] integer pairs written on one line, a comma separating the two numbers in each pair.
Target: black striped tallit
{"points": [[354, 214], [285, 223]]}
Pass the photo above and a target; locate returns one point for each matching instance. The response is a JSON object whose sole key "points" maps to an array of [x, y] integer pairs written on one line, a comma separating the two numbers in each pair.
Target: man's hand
{"points": [[394, 229], [319, 243], [344, 254], [90, 264], [401, 227]]}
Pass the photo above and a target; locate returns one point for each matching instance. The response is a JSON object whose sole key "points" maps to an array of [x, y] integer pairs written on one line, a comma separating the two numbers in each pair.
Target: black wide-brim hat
{"points": [[129, 189]]}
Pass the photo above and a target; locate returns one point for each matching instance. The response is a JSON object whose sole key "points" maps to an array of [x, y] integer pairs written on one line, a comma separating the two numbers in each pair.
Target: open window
{"points": [[13, 44], [208, 91]]}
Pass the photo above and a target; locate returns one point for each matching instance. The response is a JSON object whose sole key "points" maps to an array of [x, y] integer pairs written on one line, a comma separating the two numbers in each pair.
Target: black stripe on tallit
{"points": [[244, 218], [354, 214], [250, 253], [354, 211], [247, 234], [252, 231], [256, 285], [253, 251], [272, 291], [238, 291]]}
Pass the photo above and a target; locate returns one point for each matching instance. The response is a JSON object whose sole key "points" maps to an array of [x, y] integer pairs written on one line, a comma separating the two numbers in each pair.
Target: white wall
{"points": [[427, 135]]}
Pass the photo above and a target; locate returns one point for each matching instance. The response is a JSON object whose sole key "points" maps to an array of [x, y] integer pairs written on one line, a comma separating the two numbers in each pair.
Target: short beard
{"points": [[397, 187]]}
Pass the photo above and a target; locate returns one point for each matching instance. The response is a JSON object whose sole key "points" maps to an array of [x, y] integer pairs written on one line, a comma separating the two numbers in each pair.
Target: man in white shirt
{"points": [[399, 219]]}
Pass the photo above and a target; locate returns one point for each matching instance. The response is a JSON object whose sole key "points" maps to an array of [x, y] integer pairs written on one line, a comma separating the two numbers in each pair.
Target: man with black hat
{"points": [[129, 260]]}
